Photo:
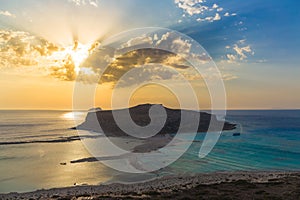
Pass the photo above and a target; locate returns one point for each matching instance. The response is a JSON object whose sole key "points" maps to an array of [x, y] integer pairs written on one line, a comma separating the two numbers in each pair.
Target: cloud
{"points": [[202, 10], [7, 13], [18, 48], [133, 55], [182, 46], [231, 58], [240, 51], [85, 2], [164, 37], [192, 7], [22, 50], [155, 73], [242, 41], [228, 77], [217, 17], [175, 61], [66, 71], [138, 41], [156, 60], [167, 40], [220, 9], [226, 14], [215, 6]]}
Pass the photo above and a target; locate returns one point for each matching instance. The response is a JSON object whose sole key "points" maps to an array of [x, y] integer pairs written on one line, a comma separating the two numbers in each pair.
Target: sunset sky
{"points": [[254, 43]]}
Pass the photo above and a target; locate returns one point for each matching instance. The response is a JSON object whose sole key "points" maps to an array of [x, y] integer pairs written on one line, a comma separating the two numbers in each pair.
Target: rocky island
{"points": [[140, 116]]}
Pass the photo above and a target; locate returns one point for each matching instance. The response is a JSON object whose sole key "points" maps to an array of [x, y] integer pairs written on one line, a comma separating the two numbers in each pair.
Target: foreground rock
{"points": [[140, 115], [235, 185]]}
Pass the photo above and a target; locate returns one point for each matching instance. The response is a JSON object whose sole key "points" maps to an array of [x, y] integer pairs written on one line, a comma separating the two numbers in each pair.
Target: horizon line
{"points": [[205, 109]]}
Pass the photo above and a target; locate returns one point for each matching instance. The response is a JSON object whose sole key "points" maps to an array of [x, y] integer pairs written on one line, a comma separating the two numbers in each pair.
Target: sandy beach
{"points": [[222, 185]]}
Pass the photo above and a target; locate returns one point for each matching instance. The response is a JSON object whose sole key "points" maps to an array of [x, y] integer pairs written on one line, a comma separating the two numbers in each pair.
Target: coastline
{"points": [[230, 185]]}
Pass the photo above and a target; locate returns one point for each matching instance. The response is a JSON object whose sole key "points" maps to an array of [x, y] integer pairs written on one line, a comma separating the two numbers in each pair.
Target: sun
{"points": [[76, 53], [79, 53]]}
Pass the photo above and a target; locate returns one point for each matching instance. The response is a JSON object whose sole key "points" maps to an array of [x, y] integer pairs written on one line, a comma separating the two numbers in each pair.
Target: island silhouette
{"points": [[140, 115]]}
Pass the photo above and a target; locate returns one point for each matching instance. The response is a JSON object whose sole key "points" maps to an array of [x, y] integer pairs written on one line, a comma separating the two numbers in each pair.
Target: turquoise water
{"points": [[270, 140]]}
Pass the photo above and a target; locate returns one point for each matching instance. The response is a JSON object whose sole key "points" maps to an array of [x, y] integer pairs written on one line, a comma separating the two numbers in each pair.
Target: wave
{"points": [[56, 140], [24, 125], [7, 158]]}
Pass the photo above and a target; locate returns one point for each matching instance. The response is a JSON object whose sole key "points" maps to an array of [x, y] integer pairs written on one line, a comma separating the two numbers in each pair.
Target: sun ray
{"points": [[75, 54]]}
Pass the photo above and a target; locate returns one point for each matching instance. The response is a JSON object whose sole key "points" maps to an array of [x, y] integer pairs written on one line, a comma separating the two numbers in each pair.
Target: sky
{"points": [[44, 44]]}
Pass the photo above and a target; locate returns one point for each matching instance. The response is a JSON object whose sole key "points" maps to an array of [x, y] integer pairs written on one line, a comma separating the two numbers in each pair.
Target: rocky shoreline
{"points": [[221, 185]]}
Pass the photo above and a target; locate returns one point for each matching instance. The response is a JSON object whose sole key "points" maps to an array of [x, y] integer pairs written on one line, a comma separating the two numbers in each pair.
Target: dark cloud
{"points": [[141, 57], [139, 66]]}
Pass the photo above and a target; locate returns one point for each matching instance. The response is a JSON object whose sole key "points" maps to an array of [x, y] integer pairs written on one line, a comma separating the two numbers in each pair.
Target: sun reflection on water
{"points": [[74, 116]]}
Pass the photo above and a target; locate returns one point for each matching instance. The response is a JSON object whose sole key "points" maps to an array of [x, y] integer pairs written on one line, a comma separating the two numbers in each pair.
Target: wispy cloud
{"points": [[85, 2], [229, 77], [231, 58], [203, 10], [192, 7], [239, 51], [7, 13], [217, 17], [242, 51]]}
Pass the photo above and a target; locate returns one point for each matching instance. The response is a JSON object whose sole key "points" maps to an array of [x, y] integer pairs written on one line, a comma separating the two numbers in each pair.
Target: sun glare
{"points": [[77, 52], [74, 116]]}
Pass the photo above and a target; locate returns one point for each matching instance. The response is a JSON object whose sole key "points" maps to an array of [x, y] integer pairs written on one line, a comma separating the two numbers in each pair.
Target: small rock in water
{"points": [[236, 134]]}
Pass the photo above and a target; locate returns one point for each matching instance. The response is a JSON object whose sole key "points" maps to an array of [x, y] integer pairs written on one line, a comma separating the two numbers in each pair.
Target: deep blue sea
{"points": [[35, 154]]}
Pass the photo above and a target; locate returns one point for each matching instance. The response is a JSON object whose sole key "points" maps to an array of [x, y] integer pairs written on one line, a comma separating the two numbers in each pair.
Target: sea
{"points": [[37, 147]]}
